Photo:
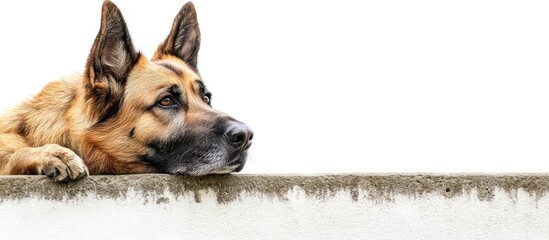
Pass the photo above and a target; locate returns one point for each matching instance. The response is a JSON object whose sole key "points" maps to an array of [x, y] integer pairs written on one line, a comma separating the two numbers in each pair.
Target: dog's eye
{"points": [[207, 98], [166, 102]]}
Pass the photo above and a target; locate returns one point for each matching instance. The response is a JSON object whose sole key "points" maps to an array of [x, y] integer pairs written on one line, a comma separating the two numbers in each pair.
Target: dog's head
{"points": [[157, 113]]}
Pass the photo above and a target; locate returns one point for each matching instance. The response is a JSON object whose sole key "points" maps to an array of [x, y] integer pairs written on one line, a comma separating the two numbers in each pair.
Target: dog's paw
{"points": [[62, 164]]}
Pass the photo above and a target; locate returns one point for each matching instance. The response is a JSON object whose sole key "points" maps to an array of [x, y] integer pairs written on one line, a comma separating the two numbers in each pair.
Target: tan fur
{"points": [[60, 132]]}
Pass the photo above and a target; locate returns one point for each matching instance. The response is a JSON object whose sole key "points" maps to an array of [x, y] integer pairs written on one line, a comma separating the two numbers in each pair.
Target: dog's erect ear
{"points": [[184, 39], [112, 54], [110, 61]]}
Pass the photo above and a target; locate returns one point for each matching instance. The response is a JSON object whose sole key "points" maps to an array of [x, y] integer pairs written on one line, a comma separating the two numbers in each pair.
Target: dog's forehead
{"points": [[177, 67], [163, 73]]}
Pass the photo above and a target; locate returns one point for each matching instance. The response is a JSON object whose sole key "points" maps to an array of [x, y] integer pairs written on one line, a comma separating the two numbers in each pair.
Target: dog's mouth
{"points": [[234, 165], [238, 164]]}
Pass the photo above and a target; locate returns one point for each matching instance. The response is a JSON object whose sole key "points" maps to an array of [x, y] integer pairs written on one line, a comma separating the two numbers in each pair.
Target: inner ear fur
{"points": [[184, 38], [110, 61]]}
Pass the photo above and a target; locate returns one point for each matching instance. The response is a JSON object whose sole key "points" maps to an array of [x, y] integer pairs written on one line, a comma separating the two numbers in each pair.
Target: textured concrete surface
{"points": [[227, 188], [373, 206]]}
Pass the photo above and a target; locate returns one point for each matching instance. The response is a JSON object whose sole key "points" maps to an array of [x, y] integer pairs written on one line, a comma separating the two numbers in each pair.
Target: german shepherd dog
{"points": [[126, 114]]}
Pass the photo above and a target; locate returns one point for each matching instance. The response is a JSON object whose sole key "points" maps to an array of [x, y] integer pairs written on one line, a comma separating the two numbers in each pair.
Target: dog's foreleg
{"points": [[55, 161]]}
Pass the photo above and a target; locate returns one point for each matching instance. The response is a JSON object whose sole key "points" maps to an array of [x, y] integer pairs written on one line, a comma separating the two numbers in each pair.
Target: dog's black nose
{"points": [[239, 134]]}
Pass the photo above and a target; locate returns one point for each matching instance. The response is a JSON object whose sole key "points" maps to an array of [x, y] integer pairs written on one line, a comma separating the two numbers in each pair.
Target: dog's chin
{"points": [[233, 166], [227, 169], [206, 171]]}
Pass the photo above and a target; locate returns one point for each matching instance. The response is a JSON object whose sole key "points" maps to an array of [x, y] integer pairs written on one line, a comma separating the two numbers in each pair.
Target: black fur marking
{"points": [[22, 129], [172, 68], [164, 154], [132, 133], [175, 91]]}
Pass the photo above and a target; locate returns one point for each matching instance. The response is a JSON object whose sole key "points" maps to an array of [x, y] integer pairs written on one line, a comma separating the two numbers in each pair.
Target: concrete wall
{"points": [[277, 207]]}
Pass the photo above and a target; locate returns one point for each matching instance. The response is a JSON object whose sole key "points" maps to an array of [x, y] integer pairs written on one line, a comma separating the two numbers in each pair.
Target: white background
{"points": [[334, 86]]}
